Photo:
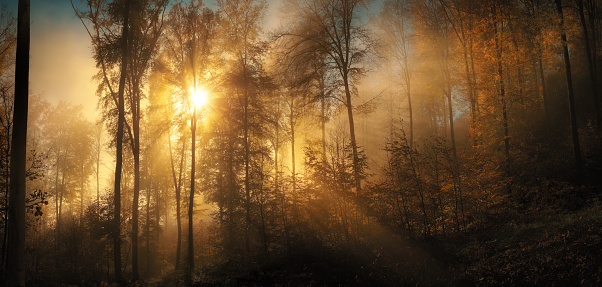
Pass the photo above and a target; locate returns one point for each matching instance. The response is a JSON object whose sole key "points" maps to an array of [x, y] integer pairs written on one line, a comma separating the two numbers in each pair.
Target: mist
{"points": [[304, 142]]}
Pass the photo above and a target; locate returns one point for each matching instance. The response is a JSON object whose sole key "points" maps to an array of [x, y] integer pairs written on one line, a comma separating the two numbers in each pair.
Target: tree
{"points": [[240, 23], [394, 22], [105, 36], [185, 66], [459, 16], [301, 72], [69, 138], [98, 144], [146, 26], [16, 211], [340, 35], [7, 47], [571, 97], [119, 145], [590, 63]]}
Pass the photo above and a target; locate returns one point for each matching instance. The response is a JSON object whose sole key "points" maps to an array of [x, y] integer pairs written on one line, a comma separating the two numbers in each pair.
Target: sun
{"points": [[198, 97]]}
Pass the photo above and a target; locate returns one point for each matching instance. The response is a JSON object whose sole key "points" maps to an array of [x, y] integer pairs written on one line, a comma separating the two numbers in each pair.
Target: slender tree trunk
{"points": [[499, 26], [544, 93], [135, 203], [590, 65], [262, 212], [475, 91], [277, 181], [247, 162], [158, 208], [6, 194], [98, 172], [450, 112], [323, 117], [56, 201], [119, 145], [191, 199], [193, 120], [148, 252], [7, 128], [293, 165], [408, 94], [569, 82], [177, 186], [356, 164], [592, 6], [81, 194], [473, 114], [16, 207], [61, 195]]}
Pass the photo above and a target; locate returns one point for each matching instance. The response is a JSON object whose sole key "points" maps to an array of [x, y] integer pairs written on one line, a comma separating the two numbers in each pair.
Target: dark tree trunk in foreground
{"points": [[16, 208], [119, 147], [569, 83]]}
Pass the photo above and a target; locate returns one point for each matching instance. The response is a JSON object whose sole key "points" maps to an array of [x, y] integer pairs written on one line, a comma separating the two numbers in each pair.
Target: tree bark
{"points": [[191, 200], [135, 203], [569, 82], [16, 208], [119, 145], [544, 94], [177, 186], [356, 164], [590, 65]]}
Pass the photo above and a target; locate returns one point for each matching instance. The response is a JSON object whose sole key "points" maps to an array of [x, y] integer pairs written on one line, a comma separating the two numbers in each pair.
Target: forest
{"points": [[353, 143]]}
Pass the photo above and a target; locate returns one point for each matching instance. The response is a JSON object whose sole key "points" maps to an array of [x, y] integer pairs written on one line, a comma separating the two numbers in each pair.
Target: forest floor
{"points": [[552, 237], [548, 238]]}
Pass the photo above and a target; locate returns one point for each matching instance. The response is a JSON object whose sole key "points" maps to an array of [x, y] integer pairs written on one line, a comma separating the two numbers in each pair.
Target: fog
{"points": [[339, 142]]}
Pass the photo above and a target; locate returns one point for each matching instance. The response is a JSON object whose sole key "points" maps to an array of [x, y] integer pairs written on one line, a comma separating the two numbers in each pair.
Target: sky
{"points": [[61, 63]]}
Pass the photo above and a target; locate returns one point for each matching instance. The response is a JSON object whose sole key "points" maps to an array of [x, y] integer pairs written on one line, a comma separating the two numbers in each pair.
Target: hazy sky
{"points": [[61, 66]]}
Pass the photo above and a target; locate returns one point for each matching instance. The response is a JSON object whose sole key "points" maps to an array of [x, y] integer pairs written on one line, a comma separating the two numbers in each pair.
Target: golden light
{"points": [[198, 97]]}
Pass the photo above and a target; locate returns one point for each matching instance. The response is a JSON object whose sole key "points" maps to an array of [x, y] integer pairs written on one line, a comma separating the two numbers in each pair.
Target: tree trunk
{"points": [[135, 203], [408, 94], [56, 201], [475, 91], [473, 112], [590, 65], [293, 164], [81, 190], [569, 82], [191, 200], [16, 207], [499, 26], [177, 185], [6, 193], [323, 117], [98, 170], [356, 164], [119, 146], [247, 162], [261, 211], [544, 94], [148, 198]]}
